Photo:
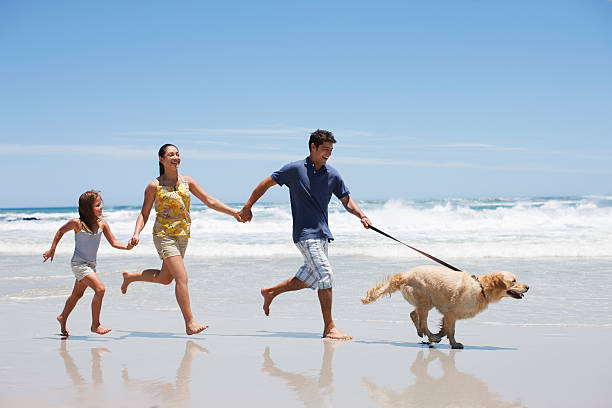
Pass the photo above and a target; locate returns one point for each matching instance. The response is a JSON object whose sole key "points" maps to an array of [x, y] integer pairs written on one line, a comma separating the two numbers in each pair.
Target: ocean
{"points": [[560, 246]]}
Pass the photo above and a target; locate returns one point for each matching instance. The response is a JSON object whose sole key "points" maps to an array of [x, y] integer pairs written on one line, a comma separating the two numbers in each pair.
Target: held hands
{"points": [[133, 241], [238, 216], [245, 214]]}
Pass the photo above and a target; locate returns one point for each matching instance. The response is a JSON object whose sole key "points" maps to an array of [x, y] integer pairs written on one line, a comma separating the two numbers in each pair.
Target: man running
{"points": [[311, 184]]}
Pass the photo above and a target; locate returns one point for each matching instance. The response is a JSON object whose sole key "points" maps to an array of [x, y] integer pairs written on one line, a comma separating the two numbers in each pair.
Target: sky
{"points": [[427, 99]]}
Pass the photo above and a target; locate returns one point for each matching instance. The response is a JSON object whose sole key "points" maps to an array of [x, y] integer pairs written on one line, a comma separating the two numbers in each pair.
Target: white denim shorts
{"points": [[82, 267], [170, 246], [316, 271]]}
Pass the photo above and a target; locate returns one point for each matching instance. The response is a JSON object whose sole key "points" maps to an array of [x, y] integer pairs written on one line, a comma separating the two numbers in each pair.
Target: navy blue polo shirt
{"points": [[310, 191]]}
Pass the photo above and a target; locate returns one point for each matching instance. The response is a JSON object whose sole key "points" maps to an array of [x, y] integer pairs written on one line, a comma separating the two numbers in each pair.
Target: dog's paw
{"points": [[434, 338], [457, 346]]}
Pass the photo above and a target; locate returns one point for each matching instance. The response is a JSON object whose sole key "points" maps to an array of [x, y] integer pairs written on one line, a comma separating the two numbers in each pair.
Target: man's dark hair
{"points": [[319, 136]]}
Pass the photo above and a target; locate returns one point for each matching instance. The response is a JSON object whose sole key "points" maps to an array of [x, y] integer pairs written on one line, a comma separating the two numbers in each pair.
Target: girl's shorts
{"points": [[170, 246], [82, 267]]}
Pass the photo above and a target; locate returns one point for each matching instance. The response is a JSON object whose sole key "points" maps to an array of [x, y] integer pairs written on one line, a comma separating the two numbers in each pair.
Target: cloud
{"points": [[266, 131], [222, 132], [89, 150], [373, 161], [468, 146], [248, 153]]}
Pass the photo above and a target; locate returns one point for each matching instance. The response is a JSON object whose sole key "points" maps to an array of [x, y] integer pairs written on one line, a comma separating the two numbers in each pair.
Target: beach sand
{"points": [[546, 350], [258, 361]]}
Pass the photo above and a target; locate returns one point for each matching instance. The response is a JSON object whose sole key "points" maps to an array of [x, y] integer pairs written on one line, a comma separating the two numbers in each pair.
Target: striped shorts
{"points": [[316, 271]]}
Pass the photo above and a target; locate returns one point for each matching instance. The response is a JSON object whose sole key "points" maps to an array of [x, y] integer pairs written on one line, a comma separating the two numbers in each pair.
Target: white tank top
{"points": [[86, 244]]}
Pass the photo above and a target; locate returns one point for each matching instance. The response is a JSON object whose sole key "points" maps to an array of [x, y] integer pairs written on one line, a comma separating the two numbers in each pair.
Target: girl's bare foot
{"points": [[195, 328], [99, 329], [336, 334], [62, 323], [126, 282], [268, 297]]}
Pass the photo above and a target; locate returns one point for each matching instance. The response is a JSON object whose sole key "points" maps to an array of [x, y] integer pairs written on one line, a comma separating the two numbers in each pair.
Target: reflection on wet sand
{"points": [[176, 394], [85, 393], [313, 391], [452, 389]]}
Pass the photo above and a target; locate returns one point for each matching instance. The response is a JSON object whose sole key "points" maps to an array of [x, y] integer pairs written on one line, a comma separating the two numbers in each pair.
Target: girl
{"points": [[170, 193], [87, 233]]}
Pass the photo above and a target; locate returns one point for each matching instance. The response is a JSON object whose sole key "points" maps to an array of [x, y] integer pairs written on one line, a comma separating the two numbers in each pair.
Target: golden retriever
{"points": [[456, 295]]}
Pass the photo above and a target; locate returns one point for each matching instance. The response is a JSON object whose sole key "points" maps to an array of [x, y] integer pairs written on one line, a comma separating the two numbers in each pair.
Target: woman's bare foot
{"points": [[99, 329], [336, 334], [126, 282], [62, 323], [268, 297], [195, 328]]}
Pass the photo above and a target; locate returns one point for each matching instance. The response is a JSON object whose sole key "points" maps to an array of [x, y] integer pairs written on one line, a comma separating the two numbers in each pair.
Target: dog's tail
{"points": [[387, 287]]}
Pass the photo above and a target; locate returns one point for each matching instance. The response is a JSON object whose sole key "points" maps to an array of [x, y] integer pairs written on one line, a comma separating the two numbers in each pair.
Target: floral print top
{"points": [[172, 207]]}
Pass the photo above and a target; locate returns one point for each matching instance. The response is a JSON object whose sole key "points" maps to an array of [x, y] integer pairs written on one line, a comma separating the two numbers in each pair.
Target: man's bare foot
{"points": [[62, 323], [126, 282], [268, 297], [195, 328], [99, 351], [336, 334], [99, 329]]}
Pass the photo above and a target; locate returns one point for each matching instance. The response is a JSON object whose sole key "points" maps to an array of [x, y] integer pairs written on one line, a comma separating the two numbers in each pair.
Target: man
{"points": [[311, 183]]}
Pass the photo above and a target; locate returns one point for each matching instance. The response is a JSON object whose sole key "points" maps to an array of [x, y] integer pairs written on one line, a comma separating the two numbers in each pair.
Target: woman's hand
{"points": [[133, 241], [238, 216]]}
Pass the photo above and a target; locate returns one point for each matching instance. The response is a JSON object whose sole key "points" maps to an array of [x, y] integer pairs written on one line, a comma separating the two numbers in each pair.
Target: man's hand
{"points": [[365, 221], [245, 214]]}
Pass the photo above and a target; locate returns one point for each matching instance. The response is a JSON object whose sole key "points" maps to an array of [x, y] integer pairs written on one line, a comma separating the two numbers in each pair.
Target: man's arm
{"points": [[260, 190], [351, 206]]}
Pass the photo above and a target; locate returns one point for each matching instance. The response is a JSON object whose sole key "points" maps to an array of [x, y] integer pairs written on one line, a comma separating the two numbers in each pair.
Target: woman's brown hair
{"points": [[86, 211]]}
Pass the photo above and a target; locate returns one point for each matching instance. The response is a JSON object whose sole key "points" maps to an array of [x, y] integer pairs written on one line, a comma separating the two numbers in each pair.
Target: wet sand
{"points": [[279, 361]]}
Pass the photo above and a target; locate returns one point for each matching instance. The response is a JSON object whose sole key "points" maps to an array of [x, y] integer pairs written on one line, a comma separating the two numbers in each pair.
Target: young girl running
{"points": [[87, 233]]}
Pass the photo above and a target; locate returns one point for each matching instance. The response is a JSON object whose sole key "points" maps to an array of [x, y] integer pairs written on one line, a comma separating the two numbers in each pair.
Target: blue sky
{"points": [[427, 99]]}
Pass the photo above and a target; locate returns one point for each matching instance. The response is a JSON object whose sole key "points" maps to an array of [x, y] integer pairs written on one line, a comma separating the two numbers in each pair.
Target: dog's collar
{"points": [[481, 287]]}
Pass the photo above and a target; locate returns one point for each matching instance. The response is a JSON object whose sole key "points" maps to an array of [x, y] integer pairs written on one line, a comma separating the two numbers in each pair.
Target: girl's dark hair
{"points": [[86, 211], [161, 153]]}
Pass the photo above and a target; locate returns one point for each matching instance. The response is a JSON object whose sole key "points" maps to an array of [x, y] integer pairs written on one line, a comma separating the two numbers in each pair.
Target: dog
{"points": [[456, 295]]}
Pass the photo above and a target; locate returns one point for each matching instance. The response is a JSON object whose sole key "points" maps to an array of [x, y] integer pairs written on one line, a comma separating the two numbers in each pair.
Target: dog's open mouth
{"points": [[515, 294]]}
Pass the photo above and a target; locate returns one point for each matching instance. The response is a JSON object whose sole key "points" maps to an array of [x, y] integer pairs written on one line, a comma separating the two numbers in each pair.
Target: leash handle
{"points": [[413, 248]]}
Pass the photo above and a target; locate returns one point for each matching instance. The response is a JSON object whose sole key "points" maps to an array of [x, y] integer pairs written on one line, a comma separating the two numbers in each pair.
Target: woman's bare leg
{"points": [[161, 276], [176, 267]]}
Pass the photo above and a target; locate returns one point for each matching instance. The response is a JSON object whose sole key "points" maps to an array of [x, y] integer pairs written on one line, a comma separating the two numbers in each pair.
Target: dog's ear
{"points": [[494, 280]]}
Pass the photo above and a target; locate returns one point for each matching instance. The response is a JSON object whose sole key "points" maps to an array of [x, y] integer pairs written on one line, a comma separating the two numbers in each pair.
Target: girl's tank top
{"points": [[86, 243], [172, 207]]}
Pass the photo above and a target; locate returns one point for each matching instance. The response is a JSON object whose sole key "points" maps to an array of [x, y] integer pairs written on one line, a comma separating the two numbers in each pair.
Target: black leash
{"points": [[420, 252]]}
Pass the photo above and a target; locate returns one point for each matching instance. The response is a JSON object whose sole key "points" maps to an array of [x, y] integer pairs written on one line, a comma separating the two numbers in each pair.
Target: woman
{"points": [[170, 192]]}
